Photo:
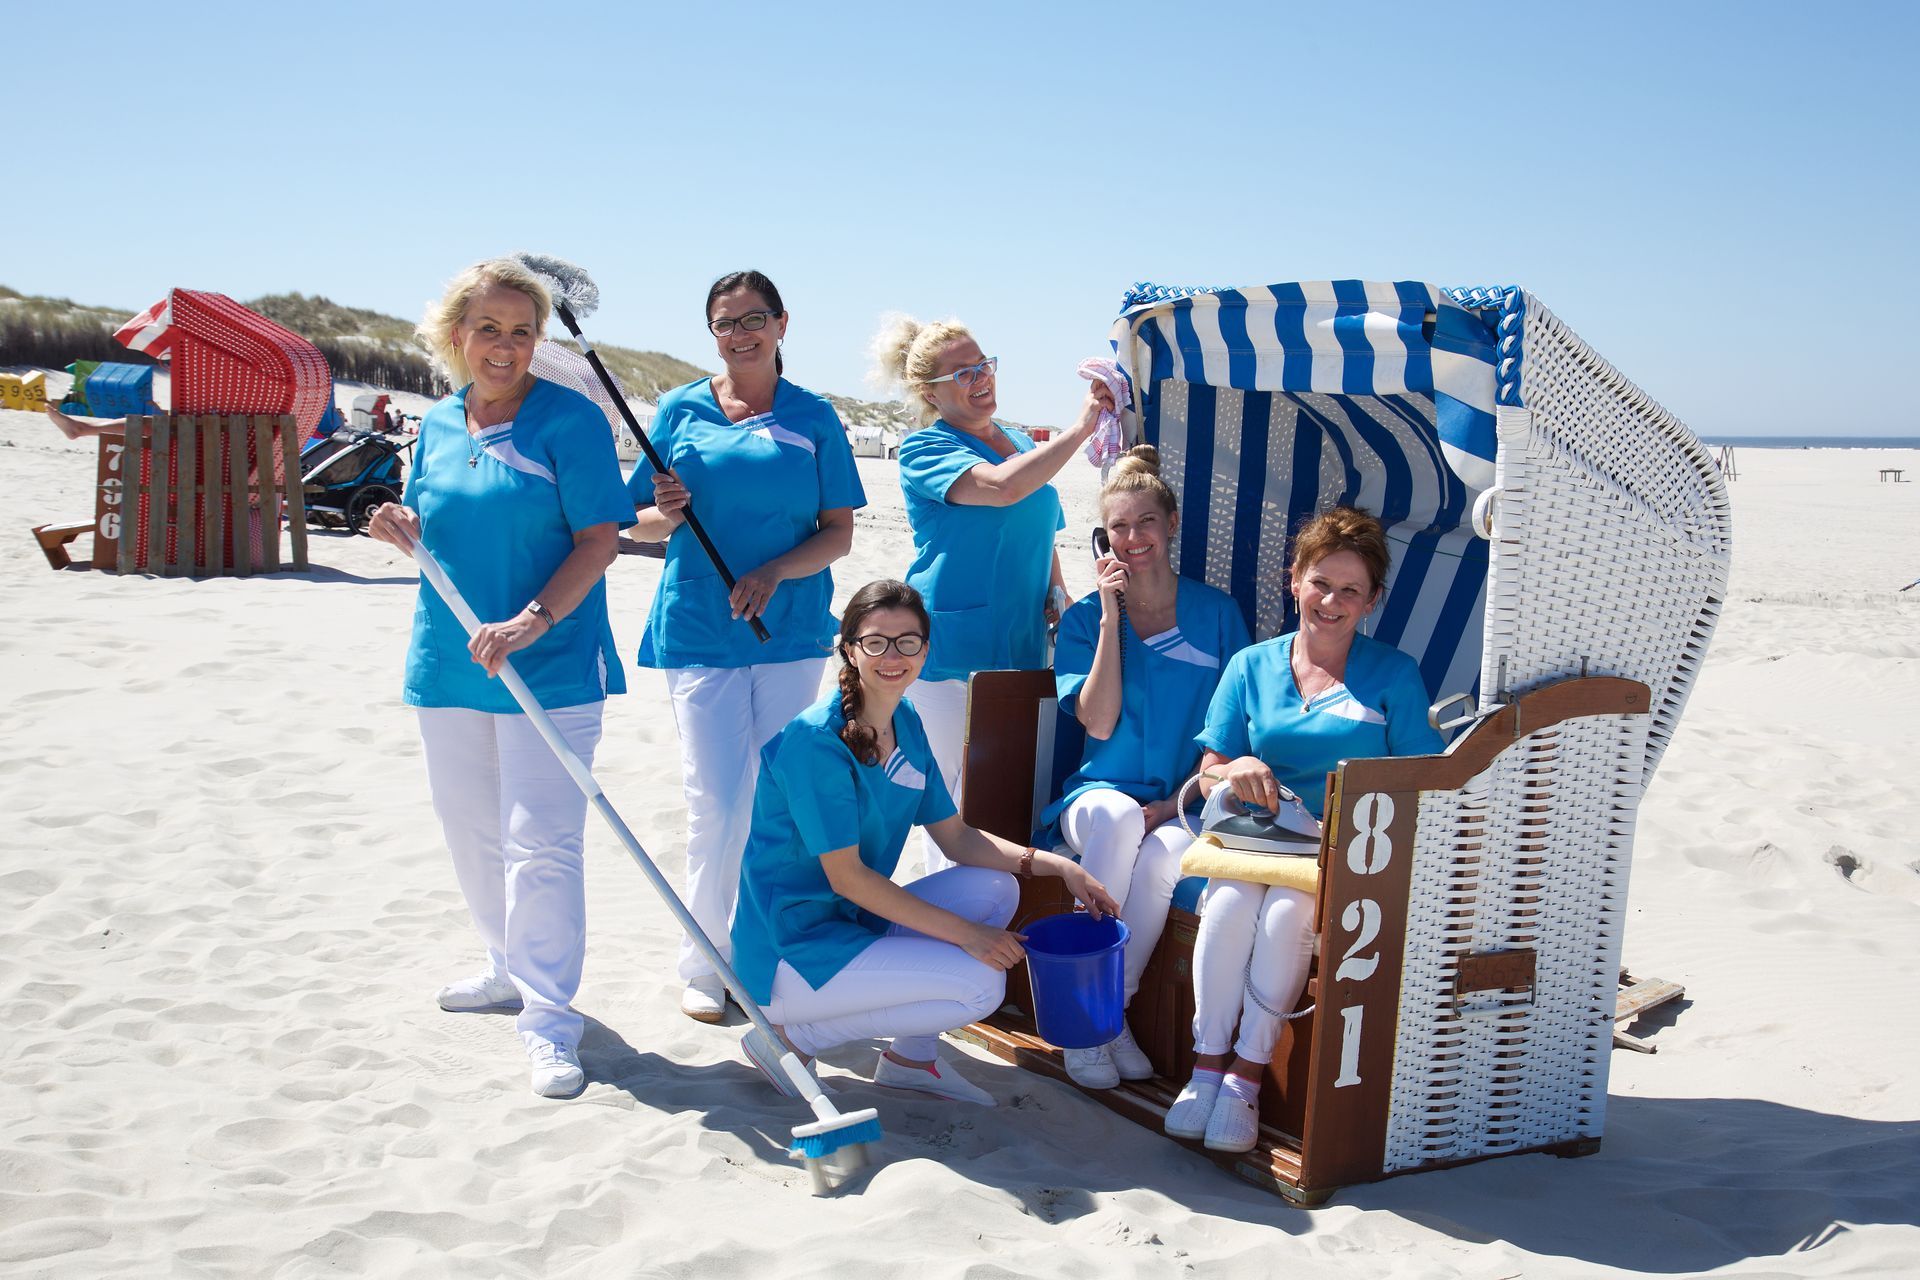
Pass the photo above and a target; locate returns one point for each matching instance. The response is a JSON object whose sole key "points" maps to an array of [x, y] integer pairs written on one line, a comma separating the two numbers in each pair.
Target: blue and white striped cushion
{"points": [[1270, 404]]}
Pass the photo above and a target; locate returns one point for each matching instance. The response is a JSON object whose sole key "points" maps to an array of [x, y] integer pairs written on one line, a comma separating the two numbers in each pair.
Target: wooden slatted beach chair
{"points": [[1561, 550], [227, 361]]}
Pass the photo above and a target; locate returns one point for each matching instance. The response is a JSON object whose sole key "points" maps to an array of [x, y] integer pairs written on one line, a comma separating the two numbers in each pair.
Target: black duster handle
{"points": [[653, 455]]}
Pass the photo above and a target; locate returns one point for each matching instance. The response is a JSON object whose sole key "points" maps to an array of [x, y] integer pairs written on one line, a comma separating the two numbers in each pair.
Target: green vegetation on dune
{"points": [[360, 346], [317, 317], [645, 374]]}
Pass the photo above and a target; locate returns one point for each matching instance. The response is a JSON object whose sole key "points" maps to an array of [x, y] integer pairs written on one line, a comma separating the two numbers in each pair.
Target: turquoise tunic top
{"points": [[983, 571], [1166, 683], [1379, 710], [813, 797], [759, 487], [501, 527]]}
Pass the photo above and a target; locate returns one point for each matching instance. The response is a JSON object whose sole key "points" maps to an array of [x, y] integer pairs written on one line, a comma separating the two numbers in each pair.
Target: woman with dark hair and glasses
{"points": [[768, 468], [823, 937], [983, 518]]}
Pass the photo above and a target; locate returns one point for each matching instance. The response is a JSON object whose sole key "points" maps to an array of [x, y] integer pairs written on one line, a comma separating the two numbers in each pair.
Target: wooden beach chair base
{"points": [[1420, 1051], [1637, 995], [53, 540]]}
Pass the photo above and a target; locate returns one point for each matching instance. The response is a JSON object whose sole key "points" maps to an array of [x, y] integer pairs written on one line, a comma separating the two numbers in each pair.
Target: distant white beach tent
{"points": [[569, 368]]}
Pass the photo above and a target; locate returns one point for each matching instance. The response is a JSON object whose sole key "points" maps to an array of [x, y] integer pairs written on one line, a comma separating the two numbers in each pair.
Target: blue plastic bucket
{"points": [[1078, 969]]}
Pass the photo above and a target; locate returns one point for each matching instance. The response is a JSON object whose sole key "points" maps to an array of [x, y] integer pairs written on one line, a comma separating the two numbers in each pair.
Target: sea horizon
{"points": [[1814, 442]]}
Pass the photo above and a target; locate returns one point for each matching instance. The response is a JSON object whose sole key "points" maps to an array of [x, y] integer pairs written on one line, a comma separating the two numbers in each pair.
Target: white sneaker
{"points": [[1234, 1124], [1188, 1116], [556, 1070], [940, 1080], [705, 999], [1127, 1058], [482, 993], [1091, 1068]]}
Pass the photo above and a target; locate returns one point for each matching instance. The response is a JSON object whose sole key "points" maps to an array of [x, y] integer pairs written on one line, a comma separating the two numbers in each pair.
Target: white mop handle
{"points": [[802, 1078], [508, 676]]}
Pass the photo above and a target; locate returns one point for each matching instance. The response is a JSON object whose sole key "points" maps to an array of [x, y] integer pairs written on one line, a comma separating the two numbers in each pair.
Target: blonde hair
{"points": [[436, 329], [906, 353], [1138, 471]]}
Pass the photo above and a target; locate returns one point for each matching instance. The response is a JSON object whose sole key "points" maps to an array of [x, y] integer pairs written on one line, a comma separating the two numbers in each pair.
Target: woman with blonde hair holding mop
{"points": [[983, 519], [768, 467], [516, 489]]}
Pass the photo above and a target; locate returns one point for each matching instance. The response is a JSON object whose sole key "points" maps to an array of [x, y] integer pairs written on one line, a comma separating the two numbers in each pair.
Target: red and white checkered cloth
{"points": [[1107, 443]]}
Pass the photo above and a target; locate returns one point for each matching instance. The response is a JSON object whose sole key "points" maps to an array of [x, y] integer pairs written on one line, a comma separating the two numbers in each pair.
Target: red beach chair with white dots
{"points": [[227, 360]]}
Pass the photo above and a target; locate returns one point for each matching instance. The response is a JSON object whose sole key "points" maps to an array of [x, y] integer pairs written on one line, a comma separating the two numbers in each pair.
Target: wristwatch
{"points": [[1026, 862], [543, 613]]}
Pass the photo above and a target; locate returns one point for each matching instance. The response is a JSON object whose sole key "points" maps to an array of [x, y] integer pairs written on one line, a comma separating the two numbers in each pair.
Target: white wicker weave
{"points": [[1613, 532], [1610, 557]]}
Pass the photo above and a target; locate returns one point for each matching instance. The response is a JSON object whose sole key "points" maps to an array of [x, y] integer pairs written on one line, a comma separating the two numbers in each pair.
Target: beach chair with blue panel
{"points": [[1560, 554]]}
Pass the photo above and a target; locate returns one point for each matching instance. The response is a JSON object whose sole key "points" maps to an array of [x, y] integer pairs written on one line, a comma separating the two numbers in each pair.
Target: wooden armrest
{"points": [[53, 540]]}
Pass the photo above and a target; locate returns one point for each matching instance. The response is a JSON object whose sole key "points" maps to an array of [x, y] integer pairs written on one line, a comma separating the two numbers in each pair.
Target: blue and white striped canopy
{"points": [[1270, 404]]}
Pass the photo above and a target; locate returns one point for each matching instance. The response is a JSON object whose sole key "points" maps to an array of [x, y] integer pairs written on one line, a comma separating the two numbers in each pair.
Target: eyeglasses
{"points": [[906, 646], [752, 322], [968, 376]]}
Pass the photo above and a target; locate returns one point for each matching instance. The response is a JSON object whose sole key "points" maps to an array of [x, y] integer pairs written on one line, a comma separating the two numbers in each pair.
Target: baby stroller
{"points": [[1561, 546], [350, 474]]}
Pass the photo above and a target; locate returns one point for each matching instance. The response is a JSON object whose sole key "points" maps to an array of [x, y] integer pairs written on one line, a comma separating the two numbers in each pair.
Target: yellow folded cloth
{"points": [[1206, 857]]}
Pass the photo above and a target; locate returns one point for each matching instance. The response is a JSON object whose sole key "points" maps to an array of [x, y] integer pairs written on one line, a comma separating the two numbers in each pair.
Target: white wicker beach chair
{"points": [[1561, 551]]}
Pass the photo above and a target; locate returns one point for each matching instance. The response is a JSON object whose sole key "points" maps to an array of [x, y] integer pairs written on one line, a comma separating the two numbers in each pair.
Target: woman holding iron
{"points": [[983, 518], [767, 466], [515, 488], [1287, 711]]}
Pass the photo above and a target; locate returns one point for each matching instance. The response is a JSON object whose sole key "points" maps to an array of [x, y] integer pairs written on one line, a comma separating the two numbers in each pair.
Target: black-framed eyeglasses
{"points": [[752, 322], [906, 646], [968, 376]]}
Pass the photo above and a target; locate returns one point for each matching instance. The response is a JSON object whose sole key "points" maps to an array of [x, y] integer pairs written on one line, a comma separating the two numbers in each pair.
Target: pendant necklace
{"points": [[473, 433]]}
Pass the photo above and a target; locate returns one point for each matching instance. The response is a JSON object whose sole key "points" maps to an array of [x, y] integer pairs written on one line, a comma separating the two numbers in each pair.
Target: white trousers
{"points": [[1139, 867], [904, 986], [1240, 921], [725, 715], [942, 705], [513, 822]]}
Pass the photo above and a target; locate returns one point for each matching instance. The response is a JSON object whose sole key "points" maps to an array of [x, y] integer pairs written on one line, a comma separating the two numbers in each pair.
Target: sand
{"points": [[224, 908]]}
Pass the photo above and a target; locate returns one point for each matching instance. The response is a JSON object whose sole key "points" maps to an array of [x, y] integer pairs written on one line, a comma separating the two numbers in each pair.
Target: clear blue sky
{"points": [[1720, 197]]}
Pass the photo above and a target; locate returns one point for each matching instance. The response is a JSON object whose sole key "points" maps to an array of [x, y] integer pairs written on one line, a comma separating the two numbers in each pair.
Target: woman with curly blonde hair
{"points": [[516, 489]]}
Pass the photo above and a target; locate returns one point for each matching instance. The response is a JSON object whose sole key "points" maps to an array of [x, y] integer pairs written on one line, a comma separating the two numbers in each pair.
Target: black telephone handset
{"points": [[1103, 550]]}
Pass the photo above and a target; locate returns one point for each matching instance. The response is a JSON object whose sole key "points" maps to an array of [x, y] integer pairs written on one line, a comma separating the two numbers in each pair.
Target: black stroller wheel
{"points": [[360, 506]]}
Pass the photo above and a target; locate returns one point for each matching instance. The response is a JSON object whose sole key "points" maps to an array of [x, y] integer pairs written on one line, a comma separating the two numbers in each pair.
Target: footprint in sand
{"points": [[1864, 875]]}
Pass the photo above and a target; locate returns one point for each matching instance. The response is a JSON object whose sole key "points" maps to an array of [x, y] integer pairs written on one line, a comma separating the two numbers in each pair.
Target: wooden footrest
{"points": [[53, 540]]}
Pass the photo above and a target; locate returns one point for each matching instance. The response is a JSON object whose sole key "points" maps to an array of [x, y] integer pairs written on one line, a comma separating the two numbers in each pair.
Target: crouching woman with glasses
{"points": [[822, 936], [983, 519]]}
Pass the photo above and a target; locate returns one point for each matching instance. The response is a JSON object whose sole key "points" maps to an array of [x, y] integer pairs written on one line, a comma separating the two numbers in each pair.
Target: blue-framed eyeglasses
{"points": [[968, 376], [752, 322]]}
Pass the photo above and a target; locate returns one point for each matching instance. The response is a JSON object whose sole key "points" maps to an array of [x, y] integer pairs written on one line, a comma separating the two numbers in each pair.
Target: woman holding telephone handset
{"points": [[1136, 663]]}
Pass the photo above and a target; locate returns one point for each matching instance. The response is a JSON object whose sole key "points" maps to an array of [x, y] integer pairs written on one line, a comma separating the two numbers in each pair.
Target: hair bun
{"points": [[1142, 459]]}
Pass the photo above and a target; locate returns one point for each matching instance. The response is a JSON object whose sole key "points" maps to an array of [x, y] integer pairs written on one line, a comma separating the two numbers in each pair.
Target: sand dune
{"points": [[224, 908]]}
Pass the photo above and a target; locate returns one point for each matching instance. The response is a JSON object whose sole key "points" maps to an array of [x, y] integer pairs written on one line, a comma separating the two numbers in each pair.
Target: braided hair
{"points": [[876, 596]]}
